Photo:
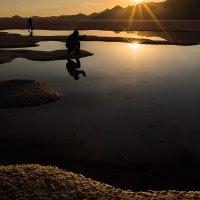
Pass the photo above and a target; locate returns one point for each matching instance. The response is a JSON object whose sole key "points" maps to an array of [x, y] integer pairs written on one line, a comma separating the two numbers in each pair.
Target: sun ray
{"points": [[157, 21], [140, 11], [132, 17]]}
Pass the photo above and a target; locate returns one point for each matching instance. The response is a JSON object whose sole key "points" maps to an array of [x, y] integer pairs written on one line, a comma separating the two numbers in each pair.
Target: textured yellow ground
{"points": [[47, 182], [21, 93]]}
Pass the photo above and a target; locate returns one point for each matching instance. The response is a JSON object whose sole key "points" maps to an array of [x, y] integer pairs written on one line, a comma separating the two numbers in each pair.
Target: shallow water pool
{"points": [[99, 33], [137, 105]]}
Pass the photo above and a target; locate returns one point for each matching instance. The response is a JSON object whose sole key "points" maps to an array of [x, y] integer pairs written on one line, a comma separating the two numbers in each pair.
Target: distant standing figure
{"points": [[30, 23], [73, 42], [73, 68]]}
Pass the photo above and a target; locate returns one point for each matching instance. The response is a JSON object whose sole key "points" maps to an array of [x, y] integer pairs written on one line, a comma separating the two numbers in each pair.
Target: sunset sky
{"points": [[27, 8]]}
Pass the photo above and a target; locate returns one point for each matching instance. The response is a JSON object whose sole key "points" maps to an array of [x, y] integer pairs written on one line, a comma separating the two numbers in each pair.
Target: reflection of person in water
{"points": [[72, 68], [30, 26], [73, 42], [30, 32]]}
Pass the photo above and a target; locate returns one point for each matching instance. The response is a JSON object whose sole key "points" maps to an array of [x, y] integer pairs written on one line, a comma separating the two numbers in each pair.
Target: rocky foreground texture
{"points": [[47, 182], [22, 93]]}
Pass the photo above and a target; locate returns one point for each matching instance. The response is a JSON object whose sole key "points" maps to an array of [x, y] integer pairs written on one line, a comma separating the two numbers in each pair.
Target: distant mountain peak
{"points": [[117, 7], [17, 17]]}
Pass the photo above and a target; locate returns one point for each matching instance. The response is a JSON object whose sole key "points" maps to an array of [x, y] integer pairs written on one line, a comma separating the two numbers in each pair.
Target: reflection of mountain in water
{"points": [[135, 35], [169, 36]]}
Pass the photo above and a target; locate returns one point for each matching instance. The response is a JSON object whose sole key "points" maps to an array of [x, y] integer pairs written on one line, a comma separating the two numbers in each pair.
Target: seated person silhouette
{"points": [[73, 42], [72, 68]]}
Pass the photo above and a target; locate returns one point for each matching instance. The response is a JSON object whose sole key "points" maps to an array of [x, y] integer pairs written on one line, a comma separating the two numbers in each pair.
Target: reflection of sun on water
{"points": [[135, 45]]}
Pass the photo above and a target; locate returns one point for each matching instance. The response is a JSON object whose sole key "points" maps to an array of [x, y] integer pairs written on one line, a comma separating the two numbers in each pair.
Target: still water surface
{"points": [[192, 36], [163, 80], [99, 33], [136, 104]]}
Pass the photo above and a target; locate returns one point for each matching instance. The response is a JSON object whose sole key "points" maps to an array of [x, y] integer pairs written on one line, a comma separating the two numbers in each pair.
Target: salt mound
{"points": [[47, 182], [21, 93]]}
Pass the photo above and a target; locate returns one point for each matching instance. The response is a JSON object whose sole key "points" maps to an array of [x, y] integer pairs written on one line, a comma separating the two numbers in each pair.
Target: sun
{"points": [[137, 1]]}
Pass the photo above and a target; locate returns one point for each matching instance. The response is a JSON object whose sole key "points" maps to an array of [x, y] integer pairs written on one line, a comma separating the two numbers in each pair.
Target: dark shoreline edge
{"points": [[9, 55], [102, 24]]}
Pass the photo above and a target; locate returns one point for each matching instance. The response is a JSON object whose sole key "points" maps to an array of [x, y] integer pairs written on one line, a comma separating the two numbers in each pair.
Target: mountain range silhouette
{"points": [[167, 10], [170, 9]]}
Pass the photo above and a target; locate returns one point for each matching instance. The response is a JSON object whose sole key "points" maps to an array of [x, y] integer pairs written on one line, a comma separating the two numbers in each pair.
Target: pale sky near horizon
{"points": [[26, 8]]}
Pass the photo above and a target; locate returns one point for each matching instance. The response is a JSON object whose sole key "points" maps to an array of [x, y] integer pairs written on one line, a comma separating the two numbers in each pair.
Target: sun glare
{"points": [[135, 45], [137, 1]]}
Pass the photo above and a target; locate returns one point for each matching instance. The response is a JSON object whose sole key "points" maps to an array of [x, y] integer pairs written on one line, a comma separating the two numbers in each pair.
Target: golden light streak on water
{"points": [[134, 43]]}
